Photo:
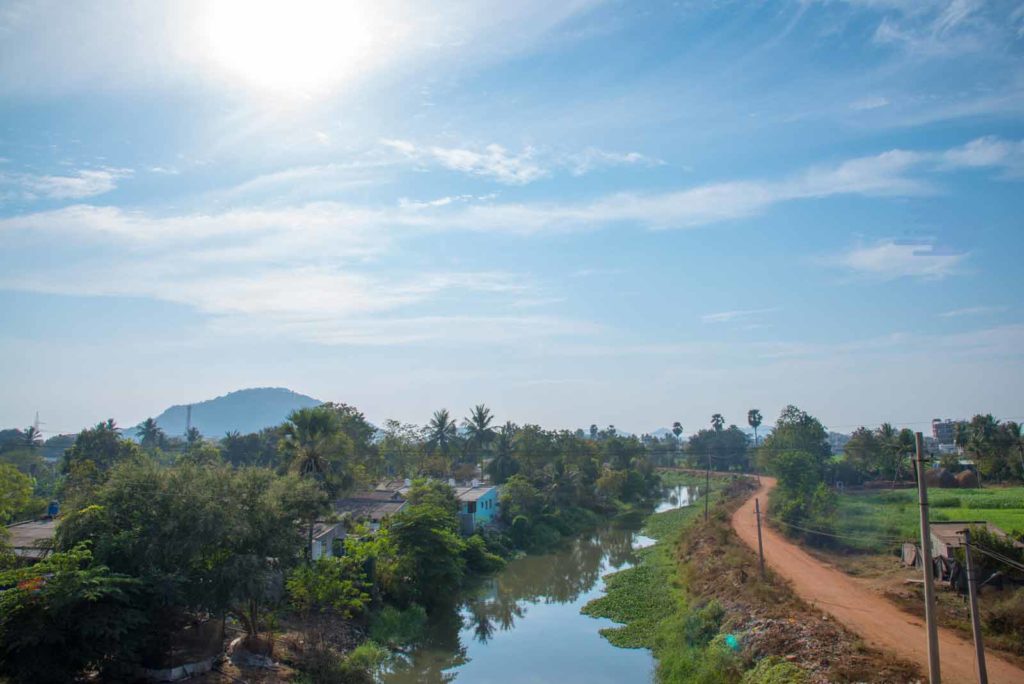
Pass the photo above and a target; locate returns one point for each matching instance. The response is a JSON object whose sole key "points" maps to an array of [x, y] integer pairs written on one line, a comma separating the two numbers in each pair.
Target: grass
{"points": [[875, 517]]}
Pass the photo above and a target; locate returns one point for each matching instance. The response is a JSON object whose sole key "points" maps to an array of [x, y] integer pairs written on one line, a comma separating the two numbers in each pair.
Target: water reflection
{"points": [[525, 625]]}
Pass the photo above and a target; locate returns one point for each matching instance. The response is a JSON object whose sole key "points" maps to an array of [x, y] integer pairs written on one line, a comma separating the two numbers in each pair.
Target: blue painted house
{"points": [[478, 506]]}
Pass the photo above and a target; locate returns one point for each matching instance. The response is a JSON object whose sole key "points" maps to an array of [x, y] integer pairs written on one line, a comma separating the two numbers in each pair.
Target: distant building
{"points": [[478, 506], [944, 431], [371, 507], [327, 540], [947, 536]]}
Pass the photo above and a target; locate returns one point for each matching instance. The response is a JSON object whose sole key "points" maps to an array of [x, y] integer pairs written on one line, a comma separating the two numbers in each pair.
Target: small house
{"points": [[947, 536], [478, 506], [371, 506], [327, 540]]}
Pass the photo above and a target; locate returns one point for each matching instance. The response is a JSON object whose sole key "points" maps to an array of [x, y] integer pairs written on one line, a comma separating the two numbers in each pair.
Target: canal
{"points": [[524, 624]]}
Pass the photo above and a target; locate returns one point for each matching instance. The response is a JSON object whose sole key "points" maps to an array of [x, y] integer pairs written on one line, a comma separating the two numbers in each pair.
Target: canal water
{"points": [[524, 624]]}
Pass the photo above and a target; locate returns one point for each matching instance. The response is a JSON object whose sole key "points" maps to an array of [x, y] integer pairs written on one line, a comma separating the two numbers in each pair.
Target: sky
{"points": [[576, 212]]}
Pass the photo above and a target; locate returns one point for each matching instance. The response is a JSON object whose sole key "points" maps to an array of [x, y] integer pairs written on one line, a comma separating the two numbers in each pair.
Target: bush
{"points": [[775, 670], [1007, 617], [479, 559]]}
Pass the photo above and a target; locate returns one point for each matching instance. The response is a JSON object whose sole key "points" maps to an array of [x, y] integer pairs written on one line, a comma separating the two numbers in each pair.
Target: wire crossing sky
{"points": [[577, 212]]}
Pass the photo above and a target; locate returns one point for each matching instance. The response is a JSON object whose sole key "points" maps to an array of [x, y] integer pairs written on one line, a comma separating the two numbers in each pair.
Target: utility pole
{"points": [[707, 486], [926, 551], [972, 591], [760, 546], [188, 419]]}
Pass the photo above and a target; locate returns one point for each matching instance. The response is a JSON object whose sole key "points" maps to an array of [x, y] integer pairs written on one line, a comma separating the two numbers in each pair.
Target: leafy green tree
{"points": [[65, 616], [400, 447], [520, 498], [434, 493], [864, 452], [795, 430], [429, 551], [330, 587], [103, 445], [16, 494]]}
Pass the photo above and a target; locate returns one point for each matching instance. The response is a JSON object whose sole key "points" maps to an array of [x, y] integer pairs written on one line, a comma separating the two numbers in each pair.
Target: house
{"points": [[946, 536], [371, 506], [327, 540], [478, 506], [32, 540]]}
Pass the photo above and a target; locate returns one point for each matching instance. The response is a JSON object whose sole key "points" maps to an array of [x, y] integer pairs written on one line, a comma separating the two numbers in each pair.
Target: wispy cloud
{"points": [[735, 316], [594, 158], [972, 311], [868, 103], [493, 161], [82, 184], [891, 259]]}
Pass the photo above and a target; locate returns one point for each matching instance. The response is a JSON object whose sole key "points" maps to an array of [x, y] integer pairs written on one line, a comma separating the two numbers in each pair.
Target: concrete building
{"points": [[478, 506], [944, 431]]}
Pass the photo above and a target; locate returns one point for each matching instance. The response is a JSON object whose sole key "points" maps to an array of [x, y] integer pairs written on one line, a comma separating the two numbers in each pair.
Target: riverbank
{"points": [[696, 600]]}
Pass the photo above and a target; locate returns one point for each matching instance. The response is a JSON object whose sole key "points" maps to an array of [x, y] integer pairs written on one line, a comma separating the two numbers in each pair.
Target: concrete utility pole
{"points": [[972, 591], [926, 551], [707, 486], [760, 546]]}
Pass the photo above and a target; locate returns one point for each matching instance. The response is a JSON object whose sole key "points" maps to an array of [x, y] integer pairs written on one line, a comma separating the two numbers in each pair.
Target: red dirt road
{"points": [[857, 607]]}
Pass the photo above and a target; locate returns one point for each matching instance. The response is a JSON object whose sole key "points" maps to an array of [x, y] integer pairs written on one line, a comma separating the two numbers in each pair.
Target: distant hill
{"points": [[247, 410]]}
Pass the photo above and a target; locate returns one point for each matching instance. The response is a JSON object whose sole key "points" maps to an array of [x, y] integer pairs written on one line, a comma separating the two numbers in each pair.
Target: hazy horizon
{"points": [[581, 212]]}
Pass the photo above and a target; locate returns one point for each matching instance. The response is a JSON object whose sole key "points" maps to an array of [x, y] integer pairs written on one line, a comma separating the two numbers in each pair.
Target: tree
{"points": [[717, 422], [33, 438], [479, 431], [16, 499], [103, 445], [504, 464], [441, 432], [314, 445], [864, 452], [677, 429], [754, 420], [429, 552], [64, 616], [795, 430], [149, 433]]}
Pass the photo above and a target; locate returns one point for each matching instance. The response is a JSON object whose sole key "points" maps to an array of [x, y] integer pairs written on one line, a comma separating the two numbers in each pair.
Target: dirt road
{"points": [[877, 621]]}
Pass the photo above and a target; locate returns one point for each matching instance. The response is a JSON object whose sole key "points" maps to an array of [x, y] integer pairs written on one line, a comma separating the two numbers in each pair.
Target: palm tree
{"points": [[149, 433], [310, 440], [441, 432], [677, 429], [717, 422], [754, 420], [961, 435], [33, 438], [193, 436], [503, 465], [478, 428]]}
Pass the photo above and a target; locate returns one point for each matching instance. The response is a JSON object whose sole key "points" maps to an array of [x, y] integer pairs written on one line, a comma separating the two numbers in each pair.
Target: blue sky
{"points": [[578, 212]]}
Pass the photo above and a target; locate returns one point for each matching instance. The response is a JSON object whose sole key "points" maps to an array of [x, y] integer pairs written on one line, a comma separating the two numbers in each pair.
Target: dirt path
{"points": [[877, 621]]}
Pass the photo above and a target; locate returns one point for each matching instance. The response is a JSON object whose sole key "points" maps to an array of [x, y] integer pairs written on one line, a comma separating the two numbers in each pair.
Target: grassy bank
{"points": [[872, 518], [695, 599]]}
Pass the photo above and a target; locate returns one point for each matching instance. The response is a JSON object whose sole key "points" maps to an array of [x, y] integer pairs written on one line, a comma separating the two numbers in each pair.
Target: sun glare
{"points": [[305, 47]]}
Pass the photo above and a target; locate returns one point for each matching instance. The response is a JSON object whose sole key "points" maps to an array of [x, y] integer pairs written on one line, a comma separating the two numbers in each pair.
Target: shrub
{"points": [[1007, 617], [479, 559], [775, 670]]}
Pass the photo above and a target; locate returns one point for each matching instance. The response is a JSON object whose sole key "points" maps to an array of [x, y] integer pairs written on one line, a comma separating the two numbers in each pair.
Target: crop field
{"points": [[877, 521]]}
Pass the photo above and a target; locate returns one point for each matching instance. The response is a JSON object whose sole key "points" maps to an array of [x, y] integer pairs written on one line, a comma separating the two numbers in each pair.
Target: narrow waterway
{"points": [[524, 624]]}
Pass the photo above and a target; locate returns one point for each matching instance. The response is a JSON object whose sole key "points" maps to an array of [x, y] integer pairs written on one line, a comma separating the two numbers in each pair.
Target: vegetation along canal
{"points": [[524, 624]]}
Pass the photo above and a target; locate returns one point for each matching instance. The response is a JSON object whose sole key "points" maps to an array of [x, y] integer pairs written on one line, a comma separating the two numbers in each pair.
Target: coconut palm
{"points": [[503, 465], [717, 422], [754, 420], [677, 429], [441, 432], [149, 433], [478, 429]]}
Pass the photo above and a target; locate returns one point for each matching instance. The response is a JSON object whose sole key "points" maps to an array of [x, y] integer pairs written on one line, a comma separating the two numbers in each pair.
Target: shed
{"points": [[371, 506], [946, 535], [326, 539]]}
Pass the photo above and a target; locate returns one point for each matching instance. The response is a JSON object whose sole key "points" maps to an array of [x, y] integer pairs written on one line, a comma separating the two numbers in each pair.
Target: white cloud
{"points": [[868, 103], [988, 152], [891, 259], [734, 316], [493, 161], [593, 158], [82, 184], [971, 311]]}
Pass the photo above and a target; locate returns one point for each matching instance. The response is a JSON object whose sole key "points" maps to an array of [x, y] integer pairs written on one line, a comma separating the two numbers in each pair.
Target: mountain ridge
{"points": [[245, 410]]}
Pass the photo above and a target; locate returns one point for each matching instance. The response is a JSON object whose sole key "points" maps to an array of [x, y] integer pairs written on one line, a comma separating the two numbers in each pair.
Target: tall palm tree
{"points": [[754, 420], [503, 465], [717, 422], [961, 435], [149, 433], [311, 440], [677, 429], [478, 429], [441, 432]]}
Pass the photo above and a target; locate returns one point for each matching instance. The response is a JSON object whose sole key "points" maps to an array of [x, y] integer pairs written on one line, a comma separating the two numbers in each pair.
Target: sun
{"points": [[305, 47]]}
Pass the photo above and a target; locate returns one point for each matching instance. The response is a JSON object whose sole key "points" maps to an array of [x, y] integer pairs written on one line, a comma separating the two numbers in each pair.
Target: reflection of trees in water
{"points": [[559, 577], [497, 602]]}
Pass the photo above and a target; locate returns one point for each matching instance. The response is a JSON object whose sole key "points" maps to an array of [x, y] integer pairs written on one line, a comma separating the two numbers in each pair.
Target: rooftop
{"points": [[472, 493]]}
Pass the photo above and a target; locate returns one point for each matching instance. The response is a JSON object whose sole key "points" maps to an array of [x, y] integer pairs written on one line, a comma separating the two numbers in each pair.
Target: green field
{"points": [[876, 519]]}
